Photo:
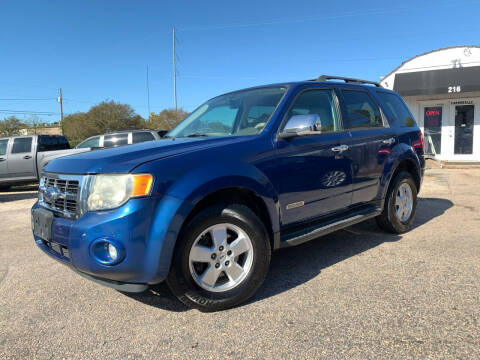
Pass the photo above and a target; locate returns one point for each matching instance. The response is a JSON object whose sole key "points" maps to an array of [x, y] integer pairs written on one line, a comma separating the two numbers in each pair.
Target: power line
{"points": [[322, 17], [28, 99]]}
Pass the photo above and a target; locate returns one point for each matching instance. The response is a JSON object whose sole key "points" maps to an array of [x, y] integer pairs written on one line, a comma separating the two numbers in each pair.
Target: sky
{"points": [[99, 50]]}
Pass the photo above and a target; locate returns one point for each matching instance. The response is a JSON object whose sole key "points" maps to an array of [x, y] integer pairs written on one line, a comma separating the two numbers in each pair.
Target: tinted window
{"points": [[52, 142], [93, 142], [360, 111], [138, 137], [397, 112], [115, 140], [22, 145], [3, 146], [319, 102]]}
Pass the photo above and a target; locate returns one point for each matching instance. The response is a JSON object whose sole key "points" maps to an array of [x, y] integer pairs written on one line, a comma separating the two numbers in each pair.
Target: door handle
{"points": [[26, 157], [2, 159], [389, 141], [340, 148]]}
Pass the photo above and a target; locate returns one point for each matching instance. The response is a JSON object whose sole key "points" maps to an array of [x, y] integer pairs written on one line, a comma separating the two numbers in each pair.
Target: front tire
{"points": [[400, 205], [221, 258]]}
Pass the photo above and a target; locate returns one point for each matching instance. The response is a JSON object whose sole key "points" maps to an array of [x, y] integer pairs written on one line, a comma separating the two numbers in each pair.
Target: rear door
{"points": [[21, 159], [3, 159], [371, 142]]}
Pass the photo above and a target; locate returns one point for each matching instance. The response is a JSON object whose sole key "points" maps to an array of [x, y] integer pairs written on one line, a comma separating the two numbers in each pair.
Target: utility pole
{"points": [[174, 71], [148, 94], [60, 101]]}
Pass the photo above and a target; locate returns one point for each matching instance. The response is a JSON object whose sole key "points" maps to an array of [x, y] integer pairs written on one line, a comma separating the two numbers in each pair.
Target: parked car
{"points": [[246, 173], [121, 138], [22, 158]]}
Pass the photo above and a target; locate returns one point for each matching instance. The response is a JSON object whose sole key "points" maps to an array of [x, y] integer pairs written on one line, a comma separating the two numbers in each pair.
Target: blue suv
{"points": [[246, 173]]}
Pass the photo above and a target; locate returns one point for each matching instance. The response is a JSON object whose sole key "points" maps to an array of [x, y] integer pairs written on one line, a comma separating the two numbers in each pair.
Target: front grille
{"points": [[60, 193]]}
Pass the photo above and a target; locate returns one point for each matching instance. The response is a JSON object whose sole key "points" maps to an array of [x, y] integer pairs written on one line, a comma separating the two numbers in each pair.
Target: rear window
{"points": [[396, 111], [22, 145], [115, 140], [138, 137], [52, 142]]}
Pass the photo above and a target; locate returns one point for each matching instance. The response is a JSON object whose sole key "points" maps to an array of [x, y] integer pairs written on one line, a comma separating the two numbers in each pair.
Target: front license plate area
{"points": [[42, 223]]}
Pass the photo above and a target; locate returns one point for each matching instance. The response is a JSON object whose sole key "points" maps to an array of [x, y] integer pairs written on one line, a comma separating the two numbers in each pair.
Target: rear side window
{"points": [[397, 112], [3, 146], [318, 102], [138, 137], [22, 145], [50, 143], [115, 140], [360, 111]]}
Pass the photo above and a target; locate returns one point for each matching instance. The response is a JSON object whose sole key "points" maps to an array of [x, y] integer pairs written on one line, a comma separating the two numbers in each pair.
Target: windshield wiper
{"points": [[196, 135]]}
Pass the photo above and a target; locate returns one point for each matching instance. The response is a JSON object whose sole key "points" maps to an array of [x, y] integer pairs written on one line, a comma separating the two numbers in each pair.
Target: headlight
{"points": [[111, 191]]}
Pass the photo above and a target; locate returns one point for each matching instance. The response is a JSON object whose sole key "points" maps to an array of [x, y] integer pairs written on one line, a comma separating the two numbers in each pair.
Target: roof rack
{"points": [[347, 80]]}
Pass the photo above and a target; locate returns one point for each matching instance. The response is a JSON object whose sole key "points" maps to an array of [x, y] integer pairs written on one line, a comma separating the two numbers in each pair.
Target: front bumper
{"points": [[147, 228]]}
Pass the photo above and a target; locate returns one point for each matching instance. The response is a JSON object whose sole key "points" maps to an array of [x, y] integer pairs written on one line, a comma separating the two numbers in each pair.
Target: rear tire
{"points": [[400, 205], [221, 258]]}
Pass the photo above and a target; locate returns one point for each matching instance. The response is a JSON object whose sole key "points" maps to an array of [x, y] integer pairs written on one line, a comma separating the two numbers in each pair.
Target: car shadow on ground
{"points": [[291, 267], [19, 193]]}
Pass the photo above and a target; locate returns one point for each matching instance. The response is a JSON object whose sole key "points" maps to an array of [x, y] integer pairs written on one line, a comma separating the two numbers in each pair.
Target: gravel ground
{"points": [[358, 293]]}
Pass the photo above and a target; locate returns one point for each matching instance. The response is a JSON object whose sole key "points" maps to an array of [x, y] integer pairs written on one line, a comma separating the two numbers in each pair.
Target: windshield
{"points": [[240, 113]]}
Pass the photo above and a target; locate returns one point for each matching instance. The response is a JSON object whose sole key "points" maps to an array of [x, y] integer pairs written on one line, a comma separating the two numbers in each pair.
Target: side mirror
{"points": [[300, 125]]}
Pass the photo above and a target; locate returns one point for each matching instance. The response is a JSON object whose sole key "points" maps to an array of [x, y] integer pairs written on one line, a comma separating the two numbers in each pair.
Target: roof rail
{"points": [[347, 80]]}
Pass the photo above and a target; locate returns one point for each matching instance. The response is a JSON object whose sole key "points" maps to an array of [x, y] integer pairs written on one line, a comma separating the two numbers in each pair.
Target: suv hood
{"points": [[126, 158]]}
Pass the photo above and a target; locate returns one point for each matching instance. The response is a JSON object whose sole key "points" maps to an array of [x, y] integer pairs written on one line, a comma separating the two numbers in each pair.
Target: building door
{"points": [[433, 121], [464, 126]]}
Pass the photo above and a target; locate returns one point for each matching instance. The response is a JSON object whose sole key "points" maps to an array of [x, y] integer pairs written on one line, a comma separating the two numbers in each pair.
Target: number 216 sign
{"points": [[454, 89]]}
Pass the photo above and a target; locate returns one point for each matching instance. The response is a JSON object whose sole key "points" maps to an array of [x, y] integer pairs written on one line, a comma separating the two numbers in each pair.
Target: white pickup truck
{"points": [[22, 158]]}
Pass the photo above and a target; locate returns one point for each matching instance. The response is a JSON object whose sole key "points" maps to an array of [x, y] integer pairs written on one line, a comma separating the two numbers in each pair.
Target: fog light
{"points": [[107, 251], [112, 251]]}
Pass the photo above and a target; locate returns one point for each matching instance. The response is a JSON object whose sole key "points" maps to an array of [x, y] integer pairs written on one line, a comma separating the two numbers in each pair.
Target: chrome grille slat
{"points": [[61, 194]]}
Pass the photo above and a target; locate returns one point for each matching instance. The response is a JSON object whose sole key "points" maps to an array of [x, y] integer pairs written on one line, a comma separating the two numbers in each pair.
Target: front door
{"points": [[312, 178], [464, 130], [21, 159]]}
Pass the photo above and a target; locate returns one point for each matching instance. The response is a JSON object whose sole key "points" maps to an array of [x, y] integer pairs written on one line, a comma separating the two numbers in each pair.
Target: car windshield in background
{"points": [[240, 113], [93, 142]]}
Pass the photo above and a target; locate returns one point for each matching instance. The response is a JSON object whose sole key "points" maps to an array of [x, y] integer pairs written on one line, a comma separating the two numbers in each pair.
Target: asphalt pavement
{"points": [[358, 293]]}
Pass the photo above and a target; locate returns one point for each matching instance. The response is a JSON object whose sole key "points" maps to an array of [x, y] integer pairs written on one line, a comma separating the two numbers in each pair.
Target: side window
{"points": [[320, 102], [3, 146], [115, 140], [360, 111], [22, 145], [93, 142], [397, 112], [138, 137]]}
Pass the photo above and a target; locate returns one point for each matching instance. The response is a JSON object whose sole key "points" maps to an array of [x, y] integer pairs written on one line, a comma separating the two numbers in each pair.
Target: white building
{"points": [[442, 89]]}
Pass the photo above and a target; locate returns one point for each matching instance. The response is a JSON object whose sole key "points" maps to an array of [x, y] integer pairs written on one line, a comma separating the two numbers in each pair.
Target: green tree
{"points": [[166, 119], [105, 117], [11, 126]]}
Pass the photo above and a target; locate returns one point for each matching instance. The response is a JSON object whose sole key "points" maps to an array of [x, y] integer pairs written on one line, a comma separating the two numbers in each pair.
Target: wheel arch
{"points": [[402, 158]]}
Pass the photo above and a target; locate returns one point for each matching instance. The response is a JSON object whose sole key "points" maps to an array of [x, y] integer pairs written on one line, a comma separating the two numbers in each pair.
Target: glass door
{"points": [[432, 129], [464, 126]]}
